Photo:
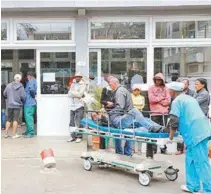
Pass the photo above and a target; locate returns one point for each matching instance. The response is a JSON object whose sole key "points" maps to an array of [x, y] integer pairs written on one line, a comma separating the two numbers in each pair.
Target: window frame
{"points": [[38, 68], [65, 20], [119, 19], [179, 19], [7, 21]]}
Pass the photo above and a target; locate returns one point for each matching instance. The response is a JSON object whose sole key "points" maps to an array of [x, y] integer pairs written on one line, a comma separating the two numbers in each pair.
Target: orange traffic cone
{"points": [[48, 159]]}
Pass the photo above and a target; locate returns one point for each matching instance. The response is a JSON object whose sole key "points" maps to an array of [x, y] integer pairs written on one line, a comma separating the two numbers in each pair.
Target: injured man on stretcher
{"points": [[123, 115]]}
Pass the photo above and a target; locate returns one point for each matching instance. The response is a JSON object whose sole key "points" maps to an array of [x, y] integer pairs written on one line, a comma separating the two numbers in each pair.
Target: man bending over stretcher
{"points": [[187, 116], [123, 115]]}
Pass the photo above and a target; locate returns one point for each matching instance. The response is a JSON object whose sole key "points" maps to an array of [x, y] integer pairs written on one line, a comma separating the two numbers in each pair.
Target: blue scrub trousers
{"points": [[198, 168]]}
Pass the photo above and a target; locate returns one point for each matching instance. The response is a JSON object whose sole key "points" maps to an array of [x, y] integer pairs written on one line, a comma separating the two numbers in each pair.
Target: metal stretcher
{"points": [[146, 168]]}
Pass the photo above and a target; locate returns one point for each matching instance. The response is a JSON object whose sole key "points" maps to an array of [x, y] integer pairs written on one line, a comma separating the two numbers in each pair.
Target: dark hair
{"points": [[31, 73], [186, 80], [174, 78], [204, 82]]}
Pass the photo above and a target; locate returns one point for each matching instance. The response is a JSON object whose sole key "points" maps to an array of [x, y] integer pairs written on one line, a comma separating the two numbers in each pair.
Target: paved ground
{"points": [[22, 171]]}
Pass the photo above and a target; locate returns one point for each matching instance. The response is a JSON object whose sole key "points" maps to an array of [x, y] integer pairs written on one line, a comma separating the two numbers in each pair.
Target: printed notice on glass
{"points": [[49, 77]]}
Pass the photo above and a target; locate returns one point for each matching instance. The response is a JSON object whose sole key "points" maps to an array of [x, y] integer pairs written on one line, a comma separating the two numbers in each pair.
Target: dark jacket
{"points": [[123, 102], [203, 99], [107, 95], [3, 101], [15, 94], [190, 92]]}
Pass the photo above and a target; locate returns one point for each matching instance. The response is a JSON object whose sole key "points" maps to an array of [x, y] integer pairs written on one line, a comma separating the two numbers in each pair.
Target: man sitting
{"points": [[123, 115]]}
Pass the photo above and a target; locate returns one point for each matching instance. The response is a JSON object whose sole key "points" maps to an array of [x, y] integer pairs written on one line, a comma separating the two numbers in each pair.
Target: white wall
{"points": [[102, 3]]}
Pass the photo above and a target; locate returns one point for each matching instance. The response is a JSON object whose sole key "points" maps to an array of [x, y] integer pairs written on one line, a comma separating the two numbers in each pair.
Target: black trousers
{"points": [[75, 121]]}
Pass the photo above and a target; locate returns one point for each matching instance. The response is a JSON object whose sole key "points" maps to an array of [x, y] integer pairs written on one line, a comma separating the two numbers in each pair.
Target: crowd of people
{"points": [[185, 110], [174, 106], [20, 99]]}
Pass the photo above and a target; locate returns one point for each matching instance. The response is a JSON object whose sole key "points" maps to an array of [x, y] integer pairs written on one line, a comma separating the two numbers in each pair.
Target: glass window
{"points": [[26, 54], [192, 62], [125, 63], [93, 64], [183, 30], [44, 31], [4, 31], [57, 72], [117, 30]]}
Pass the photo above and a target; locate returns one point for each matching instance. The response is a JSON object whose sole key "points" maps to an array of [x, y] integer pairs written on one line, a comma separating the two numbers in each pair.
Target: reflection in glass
{"points": [[44, 31], [93, 64], [56, 72], [183, 62], [183, 29], [125, 63], [3, 31], [117, 30]]}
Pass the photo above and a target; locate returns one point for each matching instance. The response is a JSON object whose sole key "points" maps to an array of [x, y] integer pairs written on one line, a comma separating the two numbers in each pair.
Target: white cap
{"points": [[176, 86], [136, 86], [78, 74], [17, 77]]}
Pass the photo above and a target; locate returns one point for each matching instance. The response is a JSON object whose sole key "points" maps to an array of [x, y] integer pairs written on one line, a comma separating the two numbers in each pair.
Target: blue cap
{"points": [[176, 86]]}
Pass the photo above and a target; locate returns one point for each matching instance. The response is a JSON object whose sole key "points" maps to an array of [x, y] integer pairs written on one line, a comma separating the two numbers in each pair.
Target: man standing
{"points": [[186, 89], [187, 116], [30, 104], [14, 92], [76, 92]]}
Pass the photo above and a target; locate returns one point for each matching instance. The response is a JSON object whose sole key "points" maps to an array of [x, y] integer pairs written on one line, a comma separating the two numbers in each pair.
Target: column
{"points": [[81, 40], [15, 63]]}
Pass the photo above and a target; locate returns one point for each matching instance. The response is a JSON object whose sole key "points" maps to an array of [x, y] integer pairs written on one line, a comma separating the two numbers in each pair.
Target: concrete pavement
{"points": [[22, 171]]}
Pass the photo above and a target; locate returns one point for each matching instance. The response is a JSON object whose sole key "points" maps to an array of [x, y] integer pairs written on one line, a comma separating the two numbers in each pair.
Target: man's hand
{"points": [[109, 104], [102, 110]]}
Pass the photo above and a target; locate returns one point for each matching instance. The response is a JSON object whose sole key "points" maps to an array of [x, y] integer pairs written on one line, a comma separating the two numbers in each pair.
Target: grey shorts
{"points": [[13, 114]]}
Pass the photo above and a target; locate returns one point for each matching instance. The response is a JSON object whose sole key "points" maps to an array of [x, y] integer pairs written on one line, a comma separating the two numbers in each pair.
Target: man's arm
{"points": [[23, 94], [77, 94], [5, 92], [153, 99], [167, 100], [119, 101]]}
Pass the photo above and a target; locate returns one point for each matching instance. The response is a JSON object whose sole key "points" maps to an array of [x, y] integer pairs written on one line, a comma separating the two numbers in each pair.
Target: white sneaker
{"points": [[78, 140], [71, 139], [16, 136], [185, 188], [6, 136]]}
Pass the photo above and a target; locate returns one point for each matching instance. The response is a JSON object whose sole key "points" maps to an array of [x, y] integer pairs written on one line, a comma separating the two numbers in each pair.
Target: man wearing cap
{"points": [[187, 116], [14, 92], [123, 115], [30, 104], [76, 92]]}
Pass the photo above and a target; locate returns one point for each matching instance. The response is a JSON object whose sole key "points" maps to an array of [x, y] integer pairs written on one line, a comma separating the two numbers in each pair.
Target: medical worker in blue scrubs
{"points": [[187, 116]]}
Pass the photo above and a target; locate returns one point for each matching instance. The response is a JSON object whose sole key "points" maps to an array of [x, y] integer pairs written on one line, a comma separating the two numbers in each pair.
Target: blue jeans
{"points": [[198, 168], [136, 118]]}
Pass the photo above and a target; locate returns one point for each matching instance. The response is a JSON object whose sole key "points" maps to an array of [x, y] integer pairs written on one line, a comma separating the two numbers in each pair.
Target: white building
{"points": [[113, 36]]}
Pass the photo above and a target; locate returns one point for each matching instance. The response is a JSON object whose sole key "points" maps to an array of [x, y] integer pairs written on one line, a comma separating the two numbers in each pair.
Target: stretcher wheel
{"points": [[171, 174], [144, 178], [87, 164]]}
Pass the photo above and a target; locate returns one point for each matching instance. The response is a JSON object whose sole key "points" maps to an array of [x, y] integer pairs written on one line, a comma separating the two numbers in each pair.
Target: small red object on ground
{"points": [[48, 159]]}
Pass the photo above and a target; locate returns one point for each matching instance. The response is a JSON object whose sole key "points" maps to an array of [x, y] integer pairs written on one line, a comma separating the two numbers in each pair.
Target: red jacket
{"points": [[159, 97]]}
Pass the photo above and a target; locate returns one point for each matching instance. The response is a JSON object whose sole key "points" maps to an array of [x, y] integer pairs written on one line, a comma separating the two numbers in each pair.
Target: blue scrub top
{"points": [[193, 124], [30, 86]]}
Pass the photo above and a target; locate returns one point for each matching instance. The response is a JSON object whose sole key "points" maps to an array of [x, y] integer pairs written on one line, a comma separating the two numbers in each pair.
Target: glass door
{"points": [[95, 65]]}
